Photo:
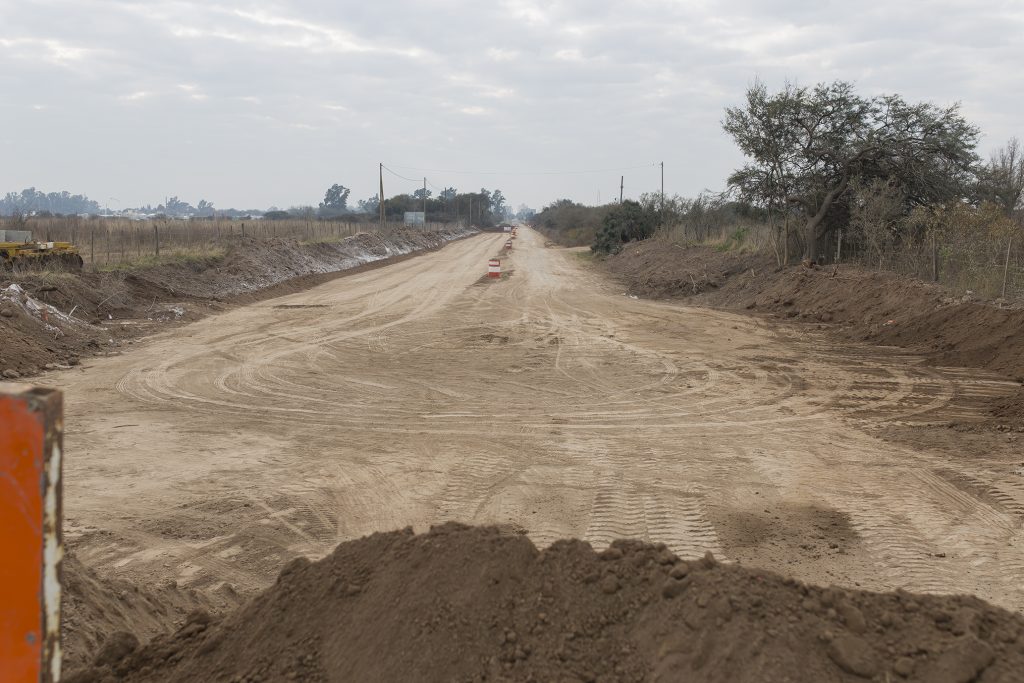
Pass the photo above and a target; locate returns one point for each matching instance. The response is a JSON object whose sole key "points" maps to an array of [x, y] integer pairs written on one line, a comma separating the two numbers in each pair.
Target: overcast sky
{"points": [[249, 104]]}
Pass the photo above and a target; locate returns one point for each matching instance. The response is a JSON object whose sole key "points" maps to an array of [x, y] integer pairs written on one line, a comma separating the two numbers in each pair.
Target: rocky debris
{"points": [[480, 604]]}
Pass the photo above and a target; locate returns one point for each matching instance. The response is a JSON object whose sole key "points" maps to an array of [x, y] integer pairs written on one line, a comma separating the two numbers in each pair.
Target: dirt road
{"points": [[548, 401]]}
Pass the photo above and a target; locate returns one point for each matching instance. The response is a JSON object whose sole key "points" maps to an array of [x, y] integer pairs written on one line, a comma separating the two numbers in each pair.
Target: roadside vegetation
{"points": [[833, 176]]}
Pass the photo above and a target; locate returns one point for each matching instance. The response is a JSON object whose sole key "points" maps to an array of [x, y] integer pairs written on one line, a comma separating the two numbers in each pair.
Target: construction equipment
{"points": [[19, 251]]}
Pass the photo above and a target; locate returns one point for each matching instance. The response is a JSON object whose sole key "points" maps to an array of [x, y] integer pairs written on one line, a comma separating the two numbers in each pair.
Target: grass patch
{"points": [[202, 256], [586, 256]]}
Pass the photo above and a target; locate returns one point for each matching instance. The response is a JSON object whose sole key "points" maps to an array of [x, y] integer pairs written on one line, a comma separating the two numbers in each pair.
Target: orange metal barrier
{"points": [[31, 448]]}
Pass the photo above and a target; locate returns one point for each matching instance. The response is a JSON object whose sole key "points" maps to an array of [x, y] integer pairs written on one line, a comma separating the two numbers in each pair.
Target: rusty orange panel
{"points": [[31, 444]]}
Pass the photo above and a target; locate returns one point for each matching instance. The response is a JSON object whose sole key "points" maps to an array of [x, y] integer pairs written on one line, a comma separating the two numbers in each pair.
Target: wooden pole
{"points": [[380, 197], [1006, 266]]}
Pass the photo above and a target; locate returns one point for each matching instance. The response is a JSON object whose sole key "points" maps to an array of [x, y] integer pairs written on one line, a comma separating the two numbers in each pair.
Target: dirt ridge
{"points": [[53, 320], [479, 603], [847, 301]]}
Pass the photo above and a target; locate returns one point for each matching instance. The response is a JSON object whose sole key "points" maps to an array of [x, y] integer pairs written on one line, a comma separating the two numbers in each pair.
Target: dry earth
{"points": [[547, 402], [475, 604]]}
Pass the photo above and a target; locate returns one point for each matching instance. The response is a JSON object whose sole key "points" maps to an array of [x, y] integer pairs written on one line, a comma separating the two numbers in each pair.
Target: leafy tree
{"points": [[806, 145], [876, 212], [58, 203], [204, 208], [419, 194], [306, 213], [1001, 181], [335, 199], [448, 194], [498, 203], [623, 223], [371, 205]]}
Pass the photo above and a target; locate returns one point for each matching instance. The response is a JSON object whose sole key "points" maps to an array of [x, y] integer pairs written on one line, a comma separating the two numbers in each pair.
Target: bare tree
{"points": [[1002, 179]]}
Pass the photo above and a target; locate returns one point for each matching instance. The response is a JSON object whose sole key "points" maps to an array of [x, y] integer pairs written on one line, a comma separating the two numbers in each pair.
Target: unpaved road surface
{"points": [[547, 401]]}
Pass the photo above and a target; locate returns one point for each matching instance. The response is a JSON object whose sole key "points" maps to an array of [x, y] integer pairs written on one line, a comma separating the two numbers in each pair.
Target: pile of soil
{"points": [[474, 604], [658, 270], [51, 320], [252, 265], [851, 302], [95, 608]]}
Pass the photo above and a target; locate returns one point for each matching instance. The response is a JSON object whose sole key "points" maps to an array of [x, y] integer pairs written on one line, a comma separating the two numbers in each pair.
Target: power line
{"points": [[576, 172], [399, 175]]}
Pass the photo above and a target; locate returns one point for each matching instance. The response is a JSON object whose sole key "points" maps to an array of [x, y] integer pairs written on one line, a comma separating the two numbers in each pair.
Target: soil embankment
{"points": [[848, 301], [50, 320], [99, 611], [471, 604]]}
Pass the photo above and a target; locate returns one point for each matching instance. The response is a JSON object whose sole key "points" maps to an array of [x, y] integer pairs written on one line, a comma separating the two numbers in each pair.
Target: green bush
{"points": [[625, 222]]}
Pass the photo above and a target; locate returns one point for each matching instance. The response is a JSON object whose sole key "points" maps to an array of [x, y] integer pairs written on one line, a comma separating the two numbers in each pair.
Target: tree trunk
{"points": [[785, 241], [815, 221]]}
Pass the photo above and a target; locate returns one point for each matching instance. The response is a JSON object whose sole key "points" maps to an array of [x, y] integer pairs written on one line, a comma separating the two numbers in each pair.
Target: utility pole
{"points": [[380, 197], [622, 184], [424, 201], [470, 210], [663, 194]]}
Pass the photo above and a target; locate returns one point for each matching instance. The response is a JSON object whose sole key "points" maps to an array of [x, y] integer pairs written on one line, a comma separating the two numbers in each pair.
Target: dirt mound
{"points": [[37, 335], [473, 604], [251, 264], [859, 304], [658, 270], [95, 608], [52, 320]]}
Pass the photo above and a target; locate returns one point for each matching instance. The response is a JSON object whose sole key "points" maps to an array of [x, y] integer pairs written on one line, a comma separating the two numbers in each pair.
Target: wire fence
{"points": [[112, 242], [975, 263], [988, 267]]}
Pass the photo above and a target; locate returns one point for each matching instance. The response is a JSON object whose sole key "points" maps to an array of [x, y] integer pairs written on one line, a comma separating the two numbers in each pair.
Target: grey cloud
{"points": [[256, 103]]}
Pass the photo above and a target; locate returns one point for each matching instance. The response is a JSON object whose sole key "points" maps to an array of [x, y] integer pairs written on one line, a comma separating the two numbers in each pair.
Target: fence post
{"points": [[92, 245], [935, 259], [1006, 266], [156, 238]]}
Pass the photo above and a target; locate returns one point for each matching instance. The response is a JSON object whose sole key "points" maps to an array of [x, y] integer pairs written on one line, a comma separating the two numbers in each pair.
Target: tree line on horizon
{"points": [[485, 207]]}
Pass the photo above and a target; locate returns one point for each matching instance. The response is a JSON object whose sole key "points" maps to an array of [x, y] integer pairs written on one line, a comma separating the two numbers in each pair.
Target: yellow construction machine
{"points": [[19, 251]]}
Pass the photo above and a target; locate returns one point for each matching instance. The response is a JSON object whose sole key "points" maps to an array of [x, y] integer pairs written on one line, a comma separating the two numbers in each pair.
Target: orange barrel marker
{"points": [[494, 268], [31, 448]]}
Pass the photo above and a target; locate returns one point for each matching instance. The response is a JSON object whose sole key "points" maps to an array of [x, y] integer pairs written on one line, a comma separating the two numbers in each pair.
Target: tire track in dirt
{"points": [[418, 393]]}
